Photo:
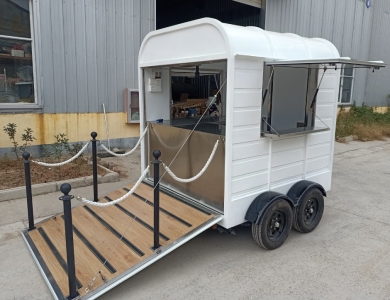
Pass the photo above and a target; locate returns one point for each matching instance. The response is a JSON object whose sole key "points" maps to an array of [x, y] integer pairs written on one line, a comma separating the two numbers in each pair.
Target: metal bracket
{"points": [[158, 250], [222, 230], [103, 277]]}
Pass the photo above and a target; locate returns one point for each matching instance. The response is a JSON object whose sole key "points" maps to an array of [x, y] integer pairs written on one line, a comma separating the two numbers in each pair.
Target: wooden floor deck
{"points": [[119, 235]]}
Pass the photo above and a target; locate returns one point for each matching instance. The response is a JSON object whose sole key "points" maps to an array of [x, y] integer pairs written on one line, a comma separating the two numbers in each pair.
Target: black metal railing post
{"points": [[66, 199], [94, 165], [156, 162], [27, 176]]}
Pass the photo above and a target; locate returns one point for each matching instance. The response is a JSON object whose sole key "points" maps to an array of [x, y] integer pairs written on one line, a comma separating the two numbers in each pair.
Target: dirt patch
{"points": [[12, 172], [363, 123]]}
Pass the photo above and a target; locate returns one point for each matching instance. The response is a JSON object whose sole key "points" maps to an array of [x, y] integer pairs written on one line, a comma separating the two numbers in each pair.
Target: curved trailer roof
{"points": [[208, 39]]}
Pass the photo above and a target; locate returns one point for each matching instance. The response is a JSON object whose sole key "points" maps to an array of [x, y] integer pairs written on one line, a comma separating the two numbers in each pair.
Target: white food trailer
{"points": [[259, 151], [276, 123]]}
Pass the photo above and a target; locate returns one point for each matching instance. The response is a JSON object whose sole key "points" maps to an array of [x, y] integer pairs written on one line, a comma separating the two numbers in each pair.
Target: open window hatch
{"points": [[290, 90]]}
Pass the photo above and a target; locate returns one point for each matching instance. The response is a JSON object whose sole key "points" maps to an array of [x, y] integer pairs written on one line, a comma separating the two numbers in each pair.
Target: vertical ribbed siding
{"points": [[378, 90], [347, 24], [89, 52]]}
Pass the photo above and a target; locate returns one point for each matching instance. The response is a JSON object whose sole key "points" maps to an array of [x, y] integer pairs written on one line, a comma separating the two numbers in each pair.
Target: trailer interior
{"points": [[180, 99]]}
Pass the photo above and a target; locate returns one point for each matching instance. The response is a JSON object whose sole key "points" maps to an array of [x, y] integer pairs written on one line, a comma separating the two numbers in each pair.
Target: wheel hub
{"points": [[311, 210], [276, 224]]}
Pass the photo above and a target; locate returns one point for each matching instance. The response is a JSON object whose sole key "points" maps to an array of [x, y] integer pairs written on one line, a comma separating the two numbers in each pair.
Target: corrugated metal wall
{"points": [[378, 84], [347, 24], [89, 52]]}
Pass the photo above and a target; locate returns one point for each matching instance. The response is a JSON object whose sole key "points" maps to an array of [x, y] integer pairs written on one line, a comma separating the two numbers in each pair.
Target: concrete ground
{"points": [[346, 257]]}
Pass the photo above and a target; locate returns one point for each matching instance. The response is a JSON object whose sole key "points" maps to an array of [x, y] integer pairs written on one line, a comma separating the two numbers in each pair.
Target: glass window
{"points": [[15, 18], [134, 95], [16, 68], [346, 85]]}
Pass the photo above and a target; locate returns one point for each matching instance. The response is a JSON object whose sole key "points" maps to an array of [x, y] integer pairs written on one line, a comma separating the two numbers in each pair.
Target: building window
{"points": [[16, 56], [132, 105], [346, 85]]}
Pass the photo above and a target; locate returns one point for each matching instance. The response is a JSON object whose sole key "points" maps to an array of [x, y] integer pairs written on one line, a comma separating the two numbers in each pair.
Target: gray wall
{"points": [[378, 84], [88, 52], [348, 24]]}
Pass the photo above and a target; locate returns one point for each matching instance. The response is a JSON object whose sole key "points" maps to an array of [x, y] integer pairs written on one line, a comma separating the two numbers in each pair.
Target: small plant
{"points": [[27, 139], [47, 151], [60, 145], [10, 130], [74, 149]]}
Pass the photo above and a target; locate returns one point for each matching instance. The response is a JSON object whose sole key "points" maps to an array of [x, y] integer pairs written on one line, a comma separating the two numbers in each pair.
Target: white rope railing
{"points": [[128, 194], [169, 171], [41, 163], [131, 151]]}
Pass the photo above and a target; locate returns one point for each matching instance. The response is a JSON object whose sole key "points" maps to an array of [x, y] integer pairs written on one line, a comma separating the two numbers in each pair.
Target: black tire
{"points": [[274, 226], [308, 214]]}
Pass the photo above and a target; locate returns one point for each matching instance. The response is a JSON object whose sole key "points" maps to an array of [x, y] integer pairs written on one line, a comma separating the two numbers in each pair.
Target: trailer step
{"points": [[113, 243]]}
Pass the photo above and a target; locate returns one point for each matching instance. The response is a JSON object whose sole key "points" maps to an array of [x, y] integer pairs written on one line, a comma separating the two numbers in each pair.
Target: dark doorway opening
{"points": [[172, 12]]}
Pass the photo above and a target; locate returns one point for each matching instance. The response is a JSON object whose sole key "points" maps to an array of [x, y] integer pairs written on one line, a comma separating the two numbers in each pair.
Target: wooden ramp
{"points": [[113, 243]]}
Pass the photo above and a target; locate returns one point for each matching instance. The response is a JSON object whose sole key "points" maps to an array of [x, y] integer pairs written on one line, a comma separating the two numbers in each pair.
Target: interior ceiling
{"points": [[172, 12], [167, 4]]}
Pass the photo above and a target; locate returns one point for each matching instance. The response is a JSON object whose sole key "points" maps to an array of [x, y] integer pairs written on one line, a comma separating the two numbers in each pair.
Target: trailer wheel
{"points": [[308, 214], [274, 226]]}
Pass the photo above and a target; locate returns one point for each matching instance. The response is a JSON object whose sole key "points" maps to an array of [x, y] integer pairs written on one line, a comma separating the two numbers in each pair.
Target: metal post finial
{"points": [[156, 154], [26, 155], [94, 134], [65, 188]]}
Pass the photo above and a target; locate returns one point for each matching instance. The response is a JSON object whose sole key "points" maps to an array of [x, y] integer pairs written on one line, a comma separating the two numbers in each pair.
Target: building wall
{"points": [[89, 52], [348, 24], [86, 55], [378, 88]]}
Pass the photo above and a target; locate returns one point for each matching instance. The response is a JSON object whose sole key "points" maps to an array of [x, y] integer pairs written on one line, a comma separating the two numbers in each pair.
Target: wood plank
{"points": [[165, 215], [135, 218], [116, 252], [106, 242], [174, 206], [135, 233], [52, 263], [87, 265], [168, 225]]}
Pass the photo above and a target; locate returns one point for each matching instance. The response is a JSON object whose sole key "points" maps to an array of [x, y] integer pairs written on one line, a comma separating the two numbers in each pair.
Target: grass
{"points": [[363, 124]]}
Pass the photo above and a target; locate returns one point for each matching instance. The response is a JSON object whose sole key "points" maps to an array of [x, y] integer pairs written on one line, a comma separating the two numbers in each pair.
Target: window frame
{"points": [[16, 107], [342, 76]]}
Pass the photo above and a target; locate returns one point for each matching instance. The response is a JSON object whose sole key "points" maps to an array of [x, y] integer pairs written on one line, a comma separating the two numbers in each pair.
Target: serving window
{"points": [[290, 91], [287, 107]]}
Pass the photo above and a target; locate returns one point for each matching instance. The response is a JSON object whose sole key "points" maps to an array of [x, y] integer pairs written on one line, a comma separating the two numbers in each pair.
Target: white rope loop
{"points": [[128, 194], [169, 171], [41, 163], [131, 151]]}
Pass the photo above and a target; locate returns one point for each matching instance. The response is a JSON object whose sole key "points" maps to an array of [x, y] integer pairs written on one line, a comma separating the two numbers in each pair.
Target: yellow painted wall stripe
{"points": [[78, 127]]}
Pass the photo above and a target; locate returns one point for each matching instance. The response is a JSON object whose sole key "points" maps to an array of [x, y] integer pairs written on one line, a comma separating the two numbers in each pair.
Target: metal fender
{"points": [[261, 202], [298, 190]]}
